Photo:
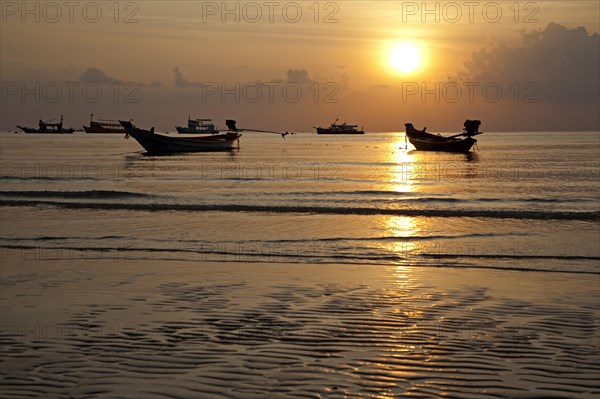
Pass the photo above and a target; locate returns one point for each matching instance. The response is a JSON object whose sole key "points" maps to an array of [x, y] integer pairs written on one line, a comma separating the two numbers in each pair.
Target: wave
{"points": [[404, 197], [411, 238], [390, 238], [417, 197], [322, 210], [90, 194], [219, 253]]}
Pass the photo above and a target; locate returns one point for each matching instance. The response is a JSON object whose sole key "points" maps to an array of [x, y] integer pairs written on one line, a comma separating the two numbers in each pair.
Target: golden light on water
{"points": [[401, 180], [402, 173], [402, 227]]}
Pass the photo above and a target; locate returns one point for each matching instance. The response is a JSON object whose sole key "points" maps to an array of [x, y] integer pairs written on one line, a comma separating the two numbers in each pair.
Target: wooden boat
{"points": [[434, 142], [344, 128], [103, 126], [198, 126], [48, 128], [155, 143]]}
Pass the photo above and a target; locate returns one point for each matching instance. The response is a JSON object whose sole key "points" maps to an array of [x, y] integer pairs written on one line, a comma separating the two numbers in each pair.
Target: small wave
{"points": [[304, 241], [377, 192], [556, 200], [91, 194], [60, 178], [417, 197], [219, 254], [64, 238], [508, 256], [472, 213], [394, 238]]}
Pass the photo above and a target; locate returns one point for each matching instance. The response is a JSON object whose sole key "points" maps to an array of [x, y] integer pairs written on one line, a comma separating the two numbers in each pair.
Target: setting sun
{"points": [[404, 58]]}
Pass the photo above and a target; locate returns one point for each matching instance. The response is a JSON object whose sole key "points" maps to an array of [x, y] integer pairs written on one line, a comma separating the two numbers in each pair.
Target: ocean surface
{"points": [[523, 201]]}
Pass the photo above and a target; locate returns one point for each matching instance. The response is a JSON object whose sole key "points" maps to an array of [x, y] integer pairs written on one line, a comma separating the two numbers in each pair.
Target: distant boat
{"points": [[103, 126], [155, 143], [198, 126], [434, 142], [48, 128], [339, 129]]}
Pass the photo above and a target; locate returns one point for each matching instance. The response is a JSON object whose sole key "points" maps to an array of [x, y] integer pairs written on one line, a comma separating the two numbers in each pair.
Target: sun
{"points": [[404, 58]]}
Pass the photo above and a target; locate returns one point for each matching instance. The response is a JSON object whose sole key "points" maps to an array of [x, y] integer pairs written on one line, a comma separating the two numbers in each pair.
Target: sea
{"points": [[525, 201]]}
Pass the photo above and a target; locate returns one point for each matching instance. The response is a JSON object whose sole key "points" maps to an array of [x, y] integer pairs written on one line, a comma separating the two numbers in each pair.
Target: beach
{"points": [[156, 329], [299, 199]]}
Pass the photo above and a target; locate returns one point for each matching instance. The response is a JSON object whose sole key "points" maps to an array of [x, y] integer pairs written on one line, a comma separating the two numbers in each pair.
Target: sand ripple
{"points": [[178, 336]]}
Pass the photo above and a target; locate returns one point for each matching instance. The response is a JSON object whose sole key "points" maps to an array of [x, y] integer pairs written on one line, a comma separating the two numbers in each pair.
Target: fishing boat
{"points": [[198, 126], [155, 143], [344, 128], [424, 141], [48, 128], [103, 126]]}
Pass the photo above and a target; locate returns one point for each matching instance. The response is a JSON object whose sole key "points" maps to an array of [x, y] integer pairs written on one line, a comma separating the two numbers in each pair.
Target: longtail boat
{"points": [[155, 143], [424, 141]]}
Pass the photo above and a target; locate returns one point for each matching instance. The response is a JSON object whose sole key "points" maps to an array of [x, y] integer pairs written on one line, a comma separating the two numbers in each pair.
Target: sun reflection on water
{"points": [[402, 171], [403, 228], [402, 179]]}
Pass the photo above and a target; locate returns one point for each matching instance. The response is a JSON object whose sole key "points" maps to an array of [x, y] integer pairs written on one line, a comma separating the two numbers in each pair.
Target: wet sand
{"points": [[89, 328]]}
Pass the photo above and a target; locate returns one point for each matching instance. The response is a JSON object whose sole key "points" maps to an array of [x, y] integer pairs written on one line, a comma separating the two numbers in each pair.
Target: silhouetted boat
{"points": [[103, 126], [155, 143], [198, 126], [48, 128], [434, 142], [339, 129]]}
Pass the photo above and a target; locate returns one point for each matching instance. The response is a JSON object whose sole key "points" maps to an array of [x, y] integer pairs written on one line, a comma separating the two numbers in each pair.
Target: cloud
{"points": [[182, 82], [298, 76], [95, 75], [562, 62]]}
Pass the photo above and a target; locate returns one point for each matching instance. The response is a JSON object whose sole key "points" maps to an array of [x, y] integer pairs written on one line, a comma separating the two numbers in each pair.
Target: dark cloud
{"points": [[182, 82], [562, 62], [298, 76], [95, 75]]}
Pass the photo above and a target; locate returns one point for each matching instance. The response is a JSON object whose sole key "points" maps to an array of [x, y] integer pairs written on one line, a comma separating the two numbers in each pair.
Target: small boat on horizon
{"points": [[344, 128], [424, 141], [103, 126], [48, 128], [198, 126], [155, 143]]}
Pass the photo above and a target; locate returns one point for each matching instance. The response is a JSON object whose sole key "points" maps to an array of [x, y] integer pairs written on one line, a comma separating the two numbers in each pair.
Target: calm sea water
{"points": [[527, 201]]}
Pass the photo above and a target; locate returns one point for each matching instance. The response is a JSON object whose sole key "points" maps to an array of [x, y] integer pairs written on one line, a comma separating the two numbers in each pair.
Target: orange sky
{"points": [[157, 61]]}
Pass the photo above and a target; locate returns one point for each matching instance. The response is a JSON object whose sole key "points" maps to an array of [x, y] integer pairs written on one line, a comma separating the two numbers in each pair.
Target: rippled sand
{"points": [[159, 329]]}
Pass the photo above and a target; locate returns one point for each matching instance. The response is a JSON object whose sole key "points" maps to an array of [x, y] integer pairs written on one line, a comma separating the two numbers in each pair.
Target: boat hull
{"points": [[155, 143], [40, 131], [321, 130], [94, 129], [431, 142], [450, 146]]}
